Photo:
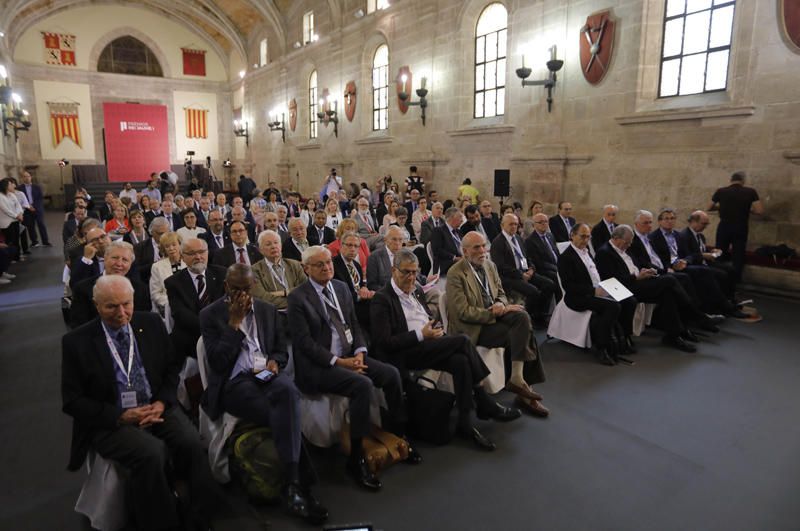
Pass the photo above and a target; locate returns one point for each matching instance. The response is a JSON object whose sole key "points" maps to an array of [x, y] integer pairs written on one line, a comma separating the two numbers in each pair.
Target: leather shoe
{"points": [[534, 407], [526, 392], [360, 472], [478, 438], [498, 412], [678, 343], [605, 358], [688, 335], [414, 457], [294, 501]]}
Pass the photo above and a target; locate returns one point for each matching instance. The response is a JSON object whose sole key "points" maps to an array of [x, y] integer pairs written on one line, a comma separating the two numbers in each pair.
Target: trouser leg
{"points": [[605, 314], [358, 389], [387, 378], [40, 223], [29, 220], [547, 289]]}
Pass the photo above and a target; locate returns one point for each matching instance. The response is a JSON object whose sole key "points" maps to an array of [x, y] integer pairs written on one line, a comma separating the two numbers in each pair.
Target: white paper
{"points": [[562, 246], [616, 289]]}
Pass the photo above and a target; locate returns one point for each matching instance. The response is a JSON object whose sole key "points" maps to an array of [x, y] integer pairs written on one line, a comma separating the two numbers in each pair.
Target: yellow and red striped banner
{"points": [[64, 123], [196, 123]]}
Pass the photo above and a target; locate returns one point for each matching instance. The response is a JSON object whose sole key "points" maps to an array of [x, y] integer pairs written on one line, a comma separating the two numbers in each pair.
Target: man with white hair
{"points": [[147, 252], [297, 242], [118, 383], [275, 277]]}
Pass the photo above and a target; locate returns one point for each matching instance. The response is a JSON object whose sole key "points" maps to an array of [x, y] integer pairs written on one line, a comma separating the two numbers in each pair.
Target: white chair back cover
{"points": [[570, 326], [102, 497], [189, 369], [642, 317]]}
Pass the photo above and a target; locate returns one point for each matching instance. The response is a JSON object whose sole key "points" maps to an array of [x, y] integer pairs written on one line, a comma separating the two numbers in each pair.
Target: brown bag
{"points": [[381, 448]]}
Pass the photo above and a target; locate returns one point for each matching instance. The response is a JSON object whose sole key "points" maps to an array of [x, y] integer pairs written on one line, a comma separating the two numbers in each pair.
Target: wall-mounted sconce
{"points": [[277, 122], [422, 93], [553, 66], [240, 130], [14, 116], [329, 111]]}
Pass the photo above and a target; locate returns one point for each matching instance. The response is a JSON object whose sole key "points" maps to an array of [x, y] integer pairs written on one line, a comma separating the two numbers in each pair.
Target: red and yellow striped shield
{"points": [[64, 123], [196, 123]]}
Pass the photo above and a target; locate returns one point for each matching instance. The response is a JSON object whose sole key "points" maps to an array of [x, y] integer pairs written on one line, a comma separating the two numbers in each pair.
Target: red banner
{"points": [[137, 140], [196, 123], [194, 62], [64, 122]]}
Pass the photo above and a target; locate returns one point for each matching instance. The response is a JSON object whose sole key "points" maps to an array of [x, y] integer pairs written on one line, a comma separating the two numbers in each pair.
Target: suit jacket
{"points": [[379, 269], [340, 272], [78, 270], [444, 249], [313, 236], [83, 309], [105, 212], [212, 242], [575, 280], [488, 228], [363, 230], [185, 306], [266, 283], [226, 257], [409, 205], [311, 333], [177, 220], [145, 257], [88, 384], [600, 234], [426, 230], [694, 254], [495, 222], [640, 256], [69, 228], [380, 212], [661, 247], [246, 187], [223, 345], [503, 257], [466, 313], [391, 337], [610, 264], [36, 195], [291, 251], [559, 230], [538, 252]]}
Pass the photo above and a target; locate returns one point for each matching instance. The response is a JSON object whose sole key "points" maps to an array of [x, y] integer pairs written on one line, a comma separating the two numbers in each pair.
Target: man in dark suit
{"points": [[238, 213], [318, 233], [297, 242], [383, 208], [239, 251], [476, 222], [71, 225], [347, 269], [562, 223], [330, 356], [517, 272], [216, 236], [117, 260], [90, 262], [147, 252], [189, 291], [698, 253], [446, 242], [243, 342], [34, 218], [413, 202], [647, 286], [580, 281], [118, 382], [431, 224], [486, 213], [379, 263], [171, 215], [293, 205], [409, 338], [246, 185], [541, 249], [106, 208], [601, 232]]}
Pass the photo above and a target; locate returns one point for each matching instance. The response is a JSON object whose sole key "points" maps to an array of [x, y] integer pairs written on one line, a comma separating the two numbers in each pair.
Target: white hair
{"points": [[313, 251], [107, 282], [264, 233], [641, 214]]}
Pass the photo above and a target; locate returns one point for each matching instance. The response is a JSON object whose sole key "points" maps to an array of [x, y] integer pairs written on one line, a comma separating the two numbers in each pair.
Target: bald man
{"points": [[601, 232]]}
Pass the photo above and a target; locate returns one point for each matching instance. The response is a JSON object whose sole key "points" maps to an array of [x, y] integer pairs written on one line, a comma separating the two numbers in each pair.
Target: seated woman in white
{"points": [[170, 248]]}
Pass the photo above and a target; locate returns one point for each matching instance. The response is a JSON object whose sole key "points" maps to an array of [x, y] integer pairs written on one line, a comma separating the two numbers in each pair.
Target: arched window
{"points": [[262, 53], [490, 61], [128, 55], [696, 48], [380, 88], [312, 105]]}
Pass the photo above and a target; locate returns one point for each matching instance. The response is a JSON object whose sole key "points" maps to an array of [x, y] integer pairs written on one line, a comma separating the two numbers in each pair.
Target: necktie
{"points": [[279, 276], [321, 236], [701, 243], [367, 222], [301, 244], [549, 247], [521, 263], [202, 294], [335, 319], [435, 223], [457, 236], [219, 241], [485, 292], [242, 259], [137, 376], [169, 220], [354, 275]]}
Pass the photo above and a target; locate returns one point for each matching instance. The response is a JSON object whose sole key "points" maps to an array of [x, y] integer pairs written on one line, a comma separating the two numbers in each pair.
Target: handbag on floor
{"points": [[429, 411], [381, 448], [254, 463]]}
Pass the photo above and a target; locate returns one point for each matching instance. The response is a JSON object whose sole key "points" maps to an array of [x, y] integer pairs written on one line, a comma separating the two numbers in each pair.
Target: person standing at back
{"points": [[735, 202]]}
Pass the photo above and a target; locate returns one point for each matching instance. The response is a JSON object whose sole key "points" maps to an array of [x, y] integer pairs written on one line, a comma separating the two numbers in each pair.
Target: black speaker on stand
{"points": [[502, 184]]}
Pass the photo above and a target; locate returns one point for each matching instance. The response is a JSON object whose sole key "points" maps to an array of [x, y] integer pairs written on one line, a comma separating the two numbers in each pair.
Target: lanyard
{"points": [[333, 302], [115, 353], [485, 286]]}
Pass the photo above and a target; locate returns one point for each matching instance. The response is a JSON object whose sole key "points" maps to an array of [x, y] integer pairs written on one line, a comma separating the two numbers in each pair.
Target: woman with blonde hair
{"points": [[118, 226], [350, 225], [334, 214], [169, 247]]}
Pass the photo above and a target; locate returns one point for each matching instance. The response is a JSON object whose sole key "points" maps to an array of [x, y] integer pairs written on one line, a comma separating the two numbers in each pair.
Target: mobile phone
{"points": [[265, 375]]}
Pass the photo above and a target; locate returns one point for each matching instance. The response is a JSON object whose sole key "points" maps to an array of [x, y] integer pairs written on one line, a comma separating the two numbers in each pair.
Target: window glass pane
{"points": [[693, 72], [673, 35], [695, 38], [501, 73], [381, 56], [717, 70], [501, 102], [480, 49], [479, 105], [492, 19], [479, 77], [697, 5], [490, 102], [675, 7], [669, 77], [491, 47], [501, 43], [491, 81], [721, 25]]}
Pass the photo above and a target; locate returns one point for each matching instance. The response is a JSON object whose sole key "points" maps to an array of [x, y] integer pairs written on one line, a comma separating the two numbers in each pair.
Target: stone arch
{"points": [[125, 31]]}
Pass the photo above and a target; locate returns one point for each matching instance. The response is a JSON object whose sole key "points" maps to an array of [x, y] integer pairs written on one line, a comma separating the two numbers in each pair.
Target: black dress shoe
{"points": [[688, 335], [678, 343], [360, 472], [317, 513], [414, 457], [605, 358], [478, 438], [498, 412], [630, 346], [294, 501]]}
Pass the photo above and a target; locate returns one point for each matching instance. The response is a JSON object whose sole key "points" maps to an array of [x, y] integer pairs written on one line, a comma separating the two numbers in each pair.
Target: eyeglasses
{"points": [[194, 253], [236, 231], [407, 272], [320, 265]]}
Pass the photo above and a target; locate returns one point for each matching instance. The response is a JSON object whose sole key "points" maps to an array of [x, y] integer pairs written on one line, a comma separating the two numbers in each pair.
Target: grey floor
{"points": [[703, 442]]}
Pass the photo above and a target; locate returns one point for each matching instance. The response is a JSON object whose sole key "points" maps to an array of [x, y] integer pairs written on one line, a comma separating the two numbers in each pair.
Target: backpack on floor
{"points": [[254, 463]]}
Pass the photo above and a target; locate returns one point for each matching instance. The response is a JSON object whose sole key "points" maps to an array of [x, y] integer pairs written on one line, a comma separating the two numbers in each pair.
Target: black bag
{"points": [[429, 412]]}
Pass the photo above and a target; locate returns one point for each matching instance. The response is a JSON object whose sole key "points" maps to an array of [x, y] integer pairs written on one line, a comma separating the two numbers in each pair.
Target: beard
{"points": [[199, 268]]}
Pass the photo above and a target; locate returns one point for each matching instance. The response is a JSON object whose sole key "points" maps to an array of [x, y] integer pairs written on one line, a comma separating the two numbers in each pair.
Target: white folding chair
{"points": [[102, 497], [429, 251], [642, 317], [568, 325]]}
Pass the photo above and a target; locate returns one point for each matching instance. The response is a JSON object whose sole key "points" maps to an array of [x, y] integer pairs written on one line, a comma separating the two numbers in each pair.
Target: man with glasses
{"points": [[330, 356], [347, 269], [541, 248], [216, 237], [91, 262], [239, 251]]}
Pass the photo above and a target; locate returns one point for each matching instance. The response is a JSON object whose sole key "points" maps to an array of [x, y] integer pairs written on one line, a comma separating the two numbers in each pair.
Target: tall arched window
{"points": [[129, 55], [490, 61], [380, 88], [262, 53], [312, 105]]}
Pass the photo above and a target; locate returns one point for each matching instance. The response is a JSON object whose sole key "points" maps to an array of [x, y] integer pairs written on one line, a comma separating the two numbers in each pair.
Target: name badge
{"points": [[259, 364], [128, 399], [348, 335]]}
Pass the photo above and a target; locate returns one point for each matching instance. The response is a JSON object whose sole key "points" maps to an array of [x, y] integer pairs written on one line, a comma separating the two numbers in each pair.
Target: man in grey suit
{"points": [[431, 224], [330, 356], [379, 263], [275, 277], [367, 224]]}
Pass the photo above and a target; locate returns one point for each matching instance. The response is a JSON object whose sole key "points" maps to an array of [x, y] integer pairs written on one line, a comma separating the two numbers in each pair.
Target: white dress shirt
{"points": [[415, 314], [656, 261], [251, 356], [632, 269], [336, 343], [521, 261], [586, 258]]}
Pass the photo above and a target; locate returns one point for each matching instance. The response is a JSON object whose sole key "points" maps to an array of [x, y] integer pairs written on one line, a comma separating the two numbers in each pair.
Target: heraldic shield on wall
{"points": [[597, 45], [790, 18]]}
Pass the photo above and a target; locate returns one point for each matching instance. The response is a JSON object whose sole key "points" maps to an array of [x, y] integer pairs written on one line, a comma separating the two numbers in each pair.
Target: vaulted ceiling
{"points": [[225, 23]]}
